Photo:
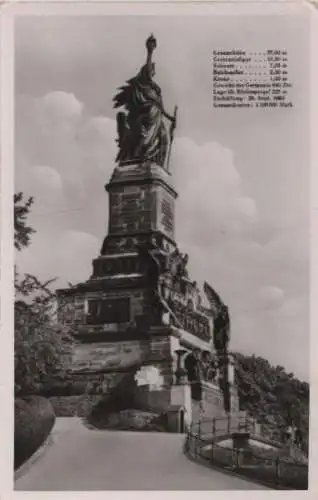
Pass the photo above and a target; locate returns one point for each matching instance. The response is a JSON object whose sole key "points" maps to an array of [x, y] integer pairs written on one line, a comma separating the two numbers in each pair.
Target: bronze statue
{"points": [[142, 131], [221, 320]]}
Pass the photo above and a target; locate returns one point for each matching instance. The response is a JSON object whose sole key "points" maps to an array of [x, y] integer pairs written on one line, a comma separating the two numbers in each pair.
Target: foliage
{"points": [[77, 405], [64, 386], [130, 419], [270, 394], [273, 453], [22, 232], [42, 346], [34, 419]]}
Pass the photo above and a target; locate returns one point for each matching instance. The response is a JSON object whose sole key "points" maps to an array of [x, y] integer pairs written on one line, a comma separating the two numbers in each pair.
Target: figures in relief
{"points": [[142, 131]]}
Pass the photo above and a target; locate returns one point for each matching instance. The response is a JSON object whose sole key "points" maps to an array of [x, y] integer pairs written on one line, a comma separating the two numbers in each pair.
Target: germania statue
{"points": [[142, 129]]}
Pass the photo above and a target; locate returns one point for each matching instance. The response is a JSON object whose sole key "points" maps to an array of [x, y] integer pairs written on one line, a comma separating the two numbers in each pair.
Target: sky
{"points": [[242, 175]]}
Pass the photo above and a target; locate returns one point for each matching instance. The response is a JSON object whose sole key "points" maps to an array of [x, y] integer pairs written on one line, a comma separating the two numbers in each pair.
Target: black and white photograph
{"points": [[161, 210]]}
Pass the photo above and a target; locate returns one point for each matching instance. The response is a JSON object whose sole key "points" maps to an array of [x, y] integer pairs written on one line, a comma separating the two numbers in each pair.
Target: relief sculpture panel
{"points": [[101, 356]]}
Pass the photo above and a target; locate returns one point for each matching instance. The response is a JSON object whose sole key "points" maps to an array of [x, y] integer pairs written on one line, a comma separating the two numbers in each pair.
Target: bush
{"points": [[71, 406], [33, 422], [42, 347], [271, 395], [158, 424], [130, 419], [283, 453]]}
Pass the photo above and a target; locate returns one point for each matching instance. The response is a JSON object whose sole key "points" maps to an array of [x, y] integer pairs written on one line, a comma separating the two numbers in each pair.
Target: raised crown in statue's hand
{"points": [[151, 43]]}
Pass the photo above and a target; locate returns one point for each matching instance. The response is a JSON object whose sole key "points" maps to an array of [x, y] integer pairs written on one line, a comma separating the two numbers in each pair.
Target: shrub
{"points": [[42, 347], [33, 422], [130, 419], [159, 423], [77, 405], [271, 395], [282, 453]]}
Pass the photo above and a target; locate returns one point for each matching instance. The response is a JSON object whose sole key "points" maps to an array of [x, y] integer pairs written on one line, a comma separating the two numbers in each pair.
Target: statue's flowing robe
{"points": [[145, 135]]}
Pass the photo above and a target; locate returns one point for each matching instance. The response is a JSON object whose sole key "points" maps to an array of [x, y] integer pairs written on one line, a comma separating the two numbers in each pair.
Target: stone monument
{"points": [[140, 304]]}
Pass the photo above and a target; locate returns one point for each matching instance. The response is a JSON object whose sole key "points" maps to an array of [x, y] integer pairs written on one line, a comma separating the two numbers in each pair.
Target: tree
{"points": [[22, 232], [269, 393], [43, 347]]}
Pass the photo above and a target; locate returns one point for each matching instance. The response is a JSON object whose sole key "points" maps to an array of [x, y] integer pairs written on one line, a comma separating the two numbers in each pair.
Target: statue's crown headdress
{"points": [[151, 42]]}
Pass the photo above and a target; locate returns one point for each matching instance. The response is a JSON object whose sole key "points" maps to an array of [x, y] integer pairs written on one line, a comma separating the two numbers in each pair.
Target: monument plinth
{"points": [[140, 305]]}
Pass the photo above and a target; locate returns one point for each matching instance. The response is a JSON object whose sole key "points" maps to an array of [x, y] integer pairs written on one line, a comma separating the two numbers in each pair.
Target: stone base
{"points": [[118, 353], [212, 399], [109, 362], [122, 356], [212, 405]]}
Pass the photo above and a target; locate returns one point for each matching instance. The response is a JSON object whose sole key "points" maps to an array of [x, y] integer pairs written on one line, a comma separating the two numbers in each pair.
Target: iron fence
{"points": [[203, 443]]}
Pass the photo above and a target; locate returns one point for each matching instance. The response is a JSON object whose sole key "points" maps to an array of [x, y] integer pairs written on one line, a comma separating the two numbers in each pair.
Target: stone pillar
{"points": [[231, 370]]}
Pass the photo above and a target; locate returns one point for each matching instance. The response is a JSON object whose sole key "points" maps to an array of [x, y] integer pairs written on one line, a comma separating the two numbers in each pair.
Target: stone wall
{"points": [[90, 380], [161, 351], [141, 206], [124, 355], [213, 405], [131, 208], [165, 211], [82, 310], [212, 398], [72, 309], [169, 400], [109, 355]]}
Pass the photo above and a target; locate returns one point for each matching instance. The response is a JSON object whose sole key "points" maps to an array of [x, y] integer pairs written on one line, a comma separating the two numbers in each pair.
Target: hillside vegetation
{"points": [[270, 394]]}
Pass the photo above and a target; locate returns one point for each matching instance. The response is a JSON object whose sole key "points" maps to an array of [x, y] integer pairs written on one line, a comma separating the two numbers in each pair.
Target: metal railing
{"points": [[203, 443]]}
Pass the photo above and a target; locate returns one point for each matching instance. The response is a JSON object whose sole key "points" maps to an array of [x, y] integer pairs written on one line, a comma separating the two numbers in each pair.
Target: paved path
{"points": [[81, 459]]}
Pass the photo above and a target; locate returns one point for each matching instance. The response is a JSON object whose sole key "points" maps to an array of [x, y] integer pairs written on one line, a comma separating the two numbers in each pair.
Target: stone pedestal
{"points": [[119, 301], [139, 307]]}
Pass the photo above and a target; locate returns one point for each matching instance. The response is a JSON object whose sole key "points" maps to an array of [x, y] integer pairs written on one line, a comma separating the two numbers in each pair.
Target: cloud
{"points": [[271, 296], [66, 256], [246, 207], [75, 152], [218, 221], [297, 253], [40, 180], [61, 105], [211, 190], [63, 156], [210, 159], [296, 308], [46, 178], [277, 334], [75, 252]]}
